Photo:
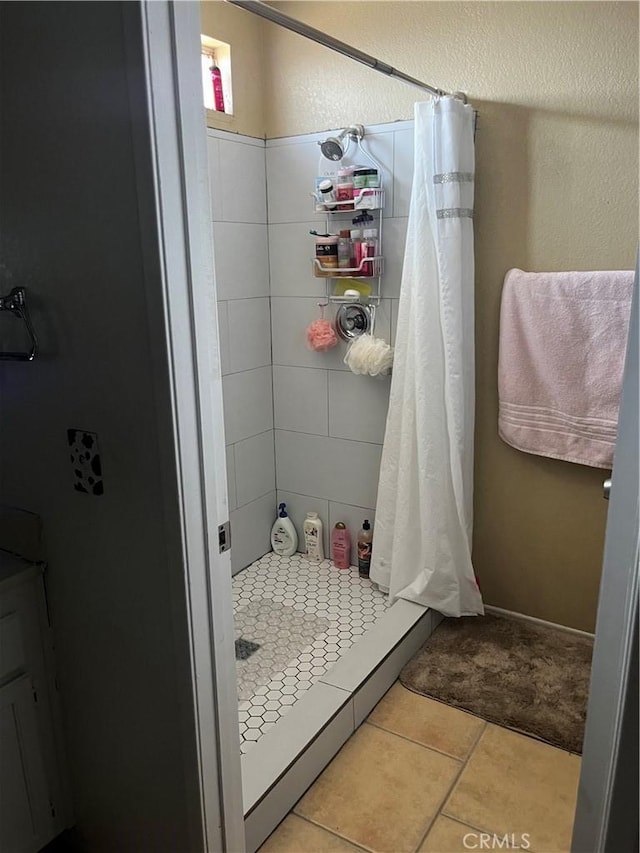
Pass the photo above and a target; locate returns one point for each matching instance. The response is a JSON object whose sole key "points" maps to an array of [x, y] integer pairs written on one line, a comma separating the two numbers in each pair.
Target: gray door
{"points": [[607, 811]]}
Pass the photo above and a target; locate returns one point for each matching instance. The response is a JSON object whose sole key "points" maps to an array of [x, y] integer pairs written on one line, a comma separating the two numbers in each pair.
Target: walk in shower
{"points": [[302, 429]]}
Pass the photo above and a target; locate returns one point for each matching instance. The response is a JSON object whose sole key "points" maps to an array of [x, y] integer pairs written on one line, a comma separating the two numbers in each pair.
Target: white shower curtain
{"points": [[422, 538]]}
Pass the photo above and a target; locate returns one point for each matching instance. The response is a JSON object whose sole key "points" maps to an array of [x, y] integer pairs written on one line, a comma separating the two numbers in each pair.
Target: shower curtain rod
{"points": [[257, 7]]}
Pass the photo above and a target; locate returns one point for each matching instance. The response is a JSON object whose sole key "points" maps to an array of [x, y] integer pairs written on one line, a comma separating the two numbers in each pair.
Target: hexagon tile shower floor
{"points": [[294, 619]]}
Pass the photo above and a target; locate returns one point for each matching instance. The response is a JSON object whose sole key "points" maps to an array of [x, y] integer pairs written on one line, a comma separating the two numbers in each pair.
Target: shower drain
{"points": [[245, 648]]}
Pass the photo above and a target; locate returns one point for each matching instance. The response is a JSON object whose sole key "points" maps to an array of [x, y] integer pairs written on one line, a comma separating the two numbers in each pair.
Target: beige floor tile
{"points": [[295, 835], [426, 721], [380, 791], [448, 836], [514, 784]]}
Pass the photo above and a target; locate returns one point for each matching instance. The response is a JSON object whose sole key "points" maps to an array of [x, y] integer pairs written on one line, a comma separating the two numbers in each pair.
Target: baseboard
{"points": [[522, 617]]}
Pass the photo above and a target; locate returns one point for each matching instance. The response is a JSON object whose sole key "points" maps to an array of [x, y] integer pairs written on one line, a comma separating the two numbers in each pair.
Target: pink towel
{"points": [[562, 348]]}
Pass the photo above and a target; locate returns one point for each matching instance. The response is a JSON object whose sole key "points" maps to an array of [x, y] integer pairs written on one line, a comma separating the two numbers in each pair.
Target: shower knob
{"points": [[353, 320]]}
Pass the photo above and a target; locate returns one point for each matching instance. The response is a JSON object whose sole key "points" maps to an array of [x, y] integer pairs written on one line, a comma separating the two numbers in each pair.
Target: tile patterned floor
{"points": [[421, 777], [303, 616]]}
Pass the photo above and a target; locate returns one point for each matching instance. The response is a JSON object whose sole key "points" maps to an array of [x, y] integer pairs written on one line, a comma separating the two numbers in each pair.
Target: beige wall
{"points": [[556, 85], [243, 32]]}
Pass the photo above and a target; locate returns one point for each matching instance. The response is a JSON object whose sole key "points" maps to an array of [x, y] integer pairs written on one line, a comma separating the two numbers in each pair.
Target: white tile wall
{"points": [[358, 406], [242, 181], [249, 334], [248, 403], [394, 237], [289, 320], [241, 260], [402, 171], [223, 331], [215, 197], [381, 147], [231, 478], [291, 172], [251, 531], [291, 248], [328, 422], [330, 468], [255, 467], [300, 399], [297, 508]]}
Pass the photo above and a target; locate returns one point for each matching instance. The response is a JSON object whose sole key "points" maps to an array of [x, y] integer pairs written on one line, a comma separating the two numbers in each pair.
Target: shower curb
{"points": [[289, 757]]}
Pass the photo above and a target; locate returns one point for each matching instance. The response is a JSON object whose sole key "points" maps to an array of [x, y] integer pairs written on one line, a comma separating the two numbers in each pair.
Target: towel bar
{"points": [[16, 303]]}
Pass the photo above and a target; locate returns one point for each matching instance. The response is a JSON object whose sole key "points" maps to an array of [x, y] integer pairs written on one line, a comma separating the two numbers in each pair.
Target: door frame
{"points": [[607, 809], [170, 138]]}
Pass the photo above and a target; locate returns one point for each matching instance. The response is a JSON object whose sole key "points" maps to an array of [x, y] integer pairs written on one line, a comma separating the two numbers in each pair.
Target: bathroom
{"points": [[328, 424], [300, 428]]}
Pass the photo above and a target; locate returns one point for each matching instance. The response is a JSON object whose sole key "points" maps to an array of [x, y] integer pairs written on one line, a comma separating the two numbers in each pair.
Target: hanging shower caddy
{"points": [[366, 201]]}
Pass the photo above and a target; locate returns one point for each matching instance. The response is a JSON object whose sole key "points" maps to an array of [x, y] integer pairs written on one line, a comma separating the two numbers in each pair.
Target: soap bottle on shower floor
{"points": [[365, 538], [312, 528], [341, 546], [284, 538]]}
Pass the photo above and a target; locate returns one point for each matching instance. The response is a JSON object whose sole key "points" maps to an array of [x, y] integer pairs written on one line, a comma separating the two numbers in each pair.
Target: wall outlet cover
{"points": [[84, 455]]}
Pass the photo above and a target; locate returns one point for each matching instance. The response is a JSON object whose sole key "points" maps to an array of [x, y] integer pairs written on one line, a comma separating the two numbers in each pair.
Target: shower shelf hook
{"points": [[16, 303]]}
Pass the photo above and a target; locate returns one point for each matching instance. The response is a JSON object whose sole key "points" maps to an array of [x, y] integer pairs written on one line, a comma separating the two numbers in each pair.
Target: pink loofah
{"points": [[321, 336]]}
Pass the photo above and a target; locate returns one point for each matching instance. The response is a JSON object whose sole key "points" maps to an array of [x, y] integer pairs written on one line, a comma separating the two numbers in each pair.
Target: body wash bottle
{"points": [[341, 546], [312, 528], [284, 539], [365, 538]]}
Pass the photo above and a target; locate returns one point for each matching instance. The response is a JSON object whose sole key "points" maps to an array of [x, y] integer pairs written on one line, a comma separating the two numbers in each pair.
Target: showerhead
{"points": [[332, 147]]}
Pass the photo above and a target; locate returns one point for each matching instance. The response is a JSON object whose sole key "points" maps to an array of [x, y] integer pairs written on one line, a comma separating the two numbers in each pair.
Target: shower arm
{"points": [[257, 7]]}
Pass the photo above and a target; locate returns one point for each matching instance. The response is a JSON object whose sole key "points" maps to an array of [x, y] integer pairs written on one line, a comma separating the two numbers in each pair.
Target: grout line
{"points": [[236, 222], [243, 298], [329, 500], [300, 367], [327, 383], [252, 501], [335, 437], [249, 370], [483, 729], [304, 432], [411, 740], [479, 828], [330, 831], [453, 784]]}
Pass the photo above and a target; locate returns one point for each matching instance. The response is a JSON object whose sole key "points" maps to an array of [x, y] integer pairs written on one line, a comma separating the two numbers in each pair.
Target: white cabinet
{"points": [[32, 798], [25, 812]]}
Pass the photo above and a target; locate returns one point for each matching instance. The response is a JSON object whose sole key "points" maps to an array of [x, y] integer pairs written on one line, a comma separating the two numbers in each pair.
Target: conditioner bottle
{"points": [[341, 546], [365, 537], [313, 537]]}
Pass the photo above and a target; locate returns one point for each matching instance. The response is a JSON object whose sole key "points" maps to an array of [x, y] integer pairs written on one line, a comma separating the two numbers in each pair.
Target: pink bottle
{"points": [[341, 546], [216, 80]]}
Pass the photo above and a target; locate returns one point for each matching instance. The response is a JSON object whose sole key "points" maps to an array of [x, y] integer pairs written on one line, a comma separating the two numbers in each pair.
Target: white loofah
{"points": [[369, 356]]}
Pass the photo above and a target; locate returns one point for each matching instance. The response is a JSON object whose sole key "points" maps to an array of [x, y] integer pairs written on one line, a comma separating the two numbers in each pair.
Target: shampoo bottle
{"points": [[313, 537], [216, 81], [284, 539], [365, 538], [341, 546]]}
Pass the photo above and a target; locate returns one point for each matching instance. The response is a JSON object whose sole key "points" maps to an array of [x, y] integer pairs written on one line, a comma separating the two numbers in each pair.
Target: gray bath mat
{"points": [[281, 633], [520, 675]]}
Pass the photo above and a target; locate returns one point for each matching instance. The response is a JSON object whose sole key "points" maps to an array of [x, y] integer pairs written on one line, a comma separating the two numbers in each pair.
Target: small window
{"points": [[215, 59]]}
